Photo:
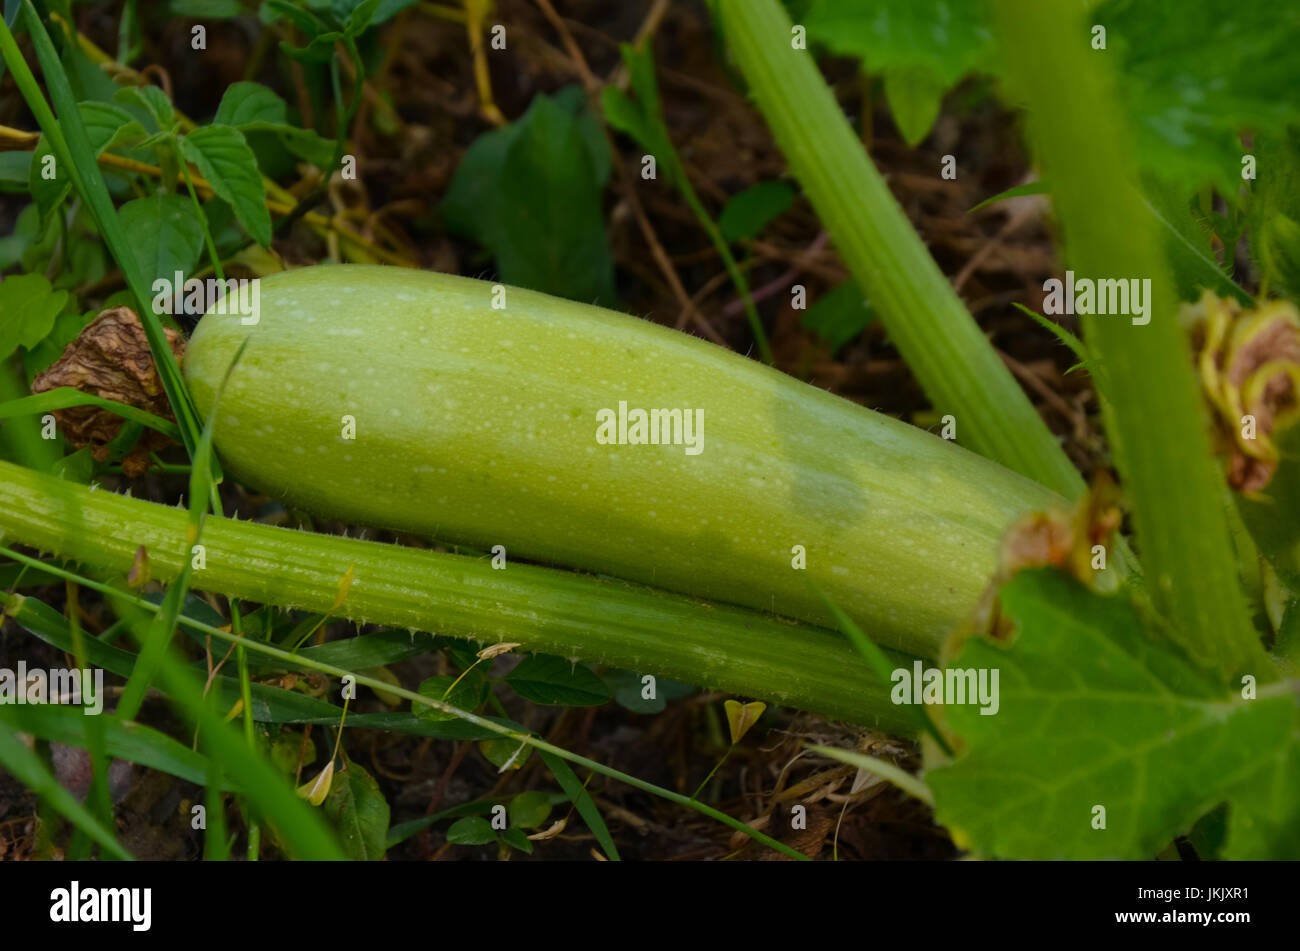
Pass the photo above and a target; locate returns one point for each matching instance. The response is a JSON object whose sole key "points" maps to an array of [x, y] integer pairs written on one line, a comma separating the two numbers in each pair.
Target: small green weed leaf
{"points": [[741, 717], [749, 212], [558, 242], [246, 102], [86, 80], [15, 171], [223, 157], [582, 802], [840, 314], [389, 9], [359, 812], [1029, 188], [317, 788], [643, 119], [517, 839], [529, 809], [544, 678], [504, 751], [469, 694], [167, 235], [359, 14], [1093, 713], [319, 50], [28, 307], [304, 143], [915, 94], [149, 104], [624, 114], [471, 830], [305, 21]]}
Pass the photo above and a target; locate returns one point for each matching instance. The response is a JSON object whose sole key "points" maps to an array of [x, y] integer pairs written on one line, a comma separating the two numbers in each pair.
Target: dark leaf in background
{"points": [[839, 315], [470, 693], [531, 193], [748, 213], [359, 812], [543, 678]]}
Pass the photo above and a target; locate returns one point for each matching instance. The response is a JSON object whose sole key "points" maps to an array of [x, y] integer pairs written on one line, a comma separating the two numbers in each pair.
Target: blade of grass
{"points": [[583, 802], [881, 666], [66, 397], [924, 317], [163, 625], [878, 767], [1153, 414], [133, 742], [100, 796]]}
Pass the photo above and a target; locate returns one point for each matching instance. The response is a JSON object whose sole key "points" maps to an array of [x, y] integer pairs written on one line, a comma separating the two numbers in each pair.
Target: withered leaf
{"points": [[111, 359]]}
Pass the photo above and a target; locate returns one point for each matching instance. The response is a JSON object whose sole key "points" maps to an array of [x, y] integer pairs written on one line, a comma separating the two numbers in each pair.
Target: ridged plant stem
{"points": [[632, 627], [925, 319], [1154, 415]]}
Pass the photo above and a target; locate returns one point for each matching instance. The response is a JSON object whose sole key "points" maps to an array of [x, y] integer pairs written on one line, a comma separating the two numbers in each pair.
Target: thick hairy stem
{"points": [[596, 619]]}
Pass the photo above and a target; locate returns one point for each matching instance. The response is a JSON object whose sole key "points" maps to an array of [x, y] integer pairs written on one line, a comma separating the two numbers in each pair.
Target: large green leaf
{"points": [[167, 234], [1094, 713], [1196, 75]]}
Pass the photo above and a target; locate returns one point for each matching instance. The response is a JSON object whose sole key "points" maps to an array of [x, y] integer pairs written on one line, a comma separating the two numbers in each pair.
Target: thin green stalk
{"points": [[545, 609], [1154, 414], [729, 262], [211, 245], [925, 319], [100, 797], [250, 735]]}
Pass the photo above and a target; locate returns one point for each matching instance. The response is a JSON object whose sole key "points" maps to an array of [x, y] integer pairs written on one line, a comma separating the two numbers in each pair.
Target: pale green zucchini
{"points": [[479, 426]]}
